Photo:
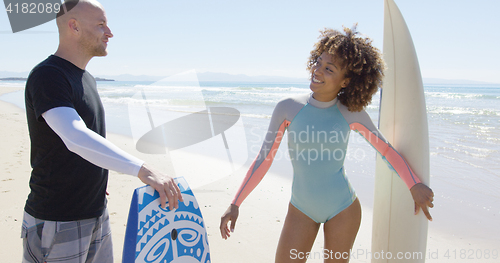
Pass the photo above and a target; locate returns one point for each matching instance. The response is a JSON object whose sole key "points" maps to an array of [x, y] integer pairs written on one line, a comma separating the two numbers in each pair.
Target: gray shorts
{"points": [[81, 241]]}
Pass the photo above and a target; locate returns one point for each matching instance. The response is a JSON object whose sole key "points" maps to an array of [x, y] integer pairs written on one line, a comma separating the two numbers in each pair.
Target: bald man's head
{"points": [[75, 9], [83, 27]]}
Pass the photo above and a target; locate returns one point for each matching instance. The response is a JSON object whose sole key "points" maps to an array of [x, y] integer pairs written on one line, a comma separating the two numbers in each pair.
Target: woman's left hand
{"points": [[423, 197]]}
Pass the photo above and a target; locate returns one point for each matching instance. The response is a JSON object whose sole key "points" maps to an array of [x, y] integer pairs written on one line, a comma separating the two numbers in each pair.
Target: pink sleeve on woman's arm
{"points": [[260, 166], [388, 153], [363, 124]]}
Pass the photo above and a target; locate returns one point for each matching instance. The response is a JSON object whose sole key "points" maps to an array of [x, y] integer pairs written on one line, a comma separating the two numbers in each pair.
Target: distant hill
{"points": [[103, 79], [11, 79], [21, 76]]}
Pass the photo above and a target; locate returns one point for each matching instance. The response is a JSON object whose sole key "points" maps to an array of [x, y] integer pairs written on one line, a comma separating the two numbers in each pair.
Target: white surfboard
{"points": [[397, 232]]}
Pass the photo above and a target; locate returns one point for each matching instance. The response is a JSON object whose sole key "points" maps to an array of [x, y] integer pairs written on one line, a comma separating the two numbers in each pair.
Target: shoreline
{"points": [[261, 217]]}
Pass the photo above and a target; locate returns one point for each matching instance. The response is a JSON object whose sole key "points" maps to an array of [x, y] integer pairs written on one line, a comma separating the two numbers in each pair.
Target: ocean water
{"points": [[464, 133], [464, 121]]}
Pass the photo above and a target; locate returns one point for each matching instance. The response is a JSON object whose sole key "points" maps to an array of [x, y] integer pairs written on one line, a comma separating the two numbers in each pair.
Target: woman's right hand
{"points": [[231, 214]]}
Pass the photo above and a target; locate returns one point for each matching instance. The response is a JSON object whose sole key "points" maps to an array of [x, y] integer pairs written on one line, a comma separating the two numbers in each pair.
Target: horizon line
{"points": [[427, 80]]}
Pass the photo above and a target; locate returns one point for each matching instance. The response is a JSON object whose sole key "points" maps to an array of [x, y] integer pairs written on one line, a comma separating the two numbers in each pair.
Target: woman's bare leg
{"points": [[340, 233], [297, 237]]}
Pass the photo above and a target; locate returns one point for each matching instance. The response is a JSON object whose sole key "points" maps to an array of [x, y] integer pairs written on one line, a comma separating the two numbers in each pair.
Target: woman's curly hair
{"points": [[363, 63]]}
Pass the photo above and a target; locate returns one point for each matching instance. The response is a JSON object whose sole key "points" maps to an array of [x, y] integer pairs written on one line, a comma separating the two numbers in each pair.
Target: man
{"points": [[65, 218]]}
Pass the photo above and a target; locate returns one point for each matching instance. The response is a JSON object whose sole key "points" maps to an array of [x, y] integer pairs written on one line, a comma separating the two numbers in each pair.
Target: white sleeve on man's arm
{"points": [[70, 127]]}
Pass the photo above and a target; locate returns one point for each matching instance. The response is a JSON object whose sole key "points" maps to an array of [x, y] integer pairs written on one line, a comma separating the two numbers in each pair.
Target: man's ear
{"points": [[73, 25]]}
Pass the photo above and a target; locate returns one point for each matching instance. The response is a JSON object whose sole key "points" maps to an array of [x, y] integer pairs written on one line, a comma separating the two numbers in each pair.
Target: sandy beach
{"points": [[258, 227], [254, 240]]}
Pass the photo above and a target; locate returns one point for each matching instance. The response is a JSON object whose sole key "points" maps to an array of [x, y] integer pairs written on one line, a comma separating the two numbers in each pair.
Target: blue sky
{"points": [[454, 39]]}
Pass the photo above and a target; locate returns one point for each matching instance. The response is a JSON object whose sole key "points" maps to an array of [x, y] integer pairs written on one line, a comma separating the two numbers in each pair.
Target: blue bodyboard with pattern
{"points": [[156, 235]]}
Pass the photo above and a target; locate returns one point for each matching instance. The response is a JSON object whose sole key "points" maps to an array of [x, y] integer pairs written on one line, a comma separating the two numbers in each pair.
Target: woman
{"points": [[346, 70]]}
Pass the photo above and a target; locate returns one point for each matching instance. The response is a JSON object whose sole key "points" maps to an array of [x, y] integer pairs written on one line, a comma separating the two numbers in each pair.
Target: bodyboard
{"points": [[156, 235]]}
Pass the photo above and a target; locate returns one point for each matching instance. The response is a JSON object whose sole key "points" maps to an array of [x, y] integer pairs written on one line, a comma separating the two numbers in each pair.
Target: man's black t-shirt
{"points": [[64, 186]]}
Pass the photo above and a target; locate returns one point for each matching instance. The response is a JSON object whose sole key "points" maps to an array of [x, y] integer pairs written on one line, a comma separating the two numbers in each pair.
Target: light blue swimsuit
{"points": [[318, 134], [320, 189]]}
